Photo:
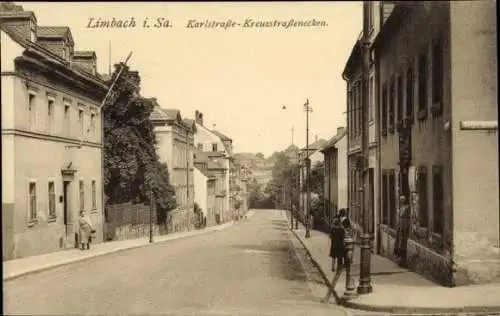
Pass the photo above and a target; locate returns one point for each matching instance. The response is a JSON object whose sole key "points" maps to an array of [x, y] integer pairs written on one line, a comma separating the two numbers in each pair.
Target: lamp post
{"points": [[307, 109], [365, 286]]}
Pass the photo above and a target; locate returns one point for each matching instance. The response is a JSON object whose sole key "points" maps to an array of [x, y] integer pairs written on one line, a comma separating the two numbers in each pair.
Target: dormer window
{"points": [[32, 32]]}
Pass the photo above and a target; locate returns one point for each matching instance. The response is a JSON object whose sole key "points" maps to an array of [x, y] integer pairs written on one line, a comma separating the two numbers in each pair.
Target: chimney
{"points": [[18, 22], [340, 130], [315, 138], [86, 60], [198, 117]]}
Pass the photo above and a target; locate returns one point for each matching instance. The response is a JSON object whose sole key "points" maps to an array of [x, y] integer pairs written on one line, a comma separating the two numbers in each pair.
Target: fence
{"points": [[128, 220]]}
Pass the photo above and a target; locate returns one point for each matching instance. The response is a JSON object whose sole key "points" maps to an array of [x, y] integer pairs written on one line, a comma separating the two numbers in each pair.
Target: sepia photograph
{"points": [[250, 158]]}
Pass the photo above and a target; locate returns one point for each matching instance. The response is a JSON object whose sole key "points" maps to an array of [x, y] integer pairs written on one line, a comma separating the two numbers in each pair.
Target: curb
{"points": [[64, 263], [401, 310]]}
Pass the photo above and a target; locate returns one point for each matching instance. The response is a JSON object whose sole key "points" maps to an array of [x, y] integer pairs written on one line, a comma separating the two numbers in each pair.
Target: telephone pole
{"points": [[365, 286], [307, 109]]}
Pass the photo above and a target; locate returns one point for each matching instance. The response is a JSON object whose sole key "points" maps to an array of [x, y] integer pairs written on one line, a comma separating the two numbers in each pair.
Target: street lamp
{"points": [[307, 109], [365, 286]]}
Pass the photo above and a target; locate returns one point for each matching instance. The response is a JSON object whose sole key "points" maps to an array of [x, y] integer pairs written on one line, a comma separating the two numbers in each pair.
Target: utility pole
{"points": [[365, 286], [307, 109], [151, 210]]}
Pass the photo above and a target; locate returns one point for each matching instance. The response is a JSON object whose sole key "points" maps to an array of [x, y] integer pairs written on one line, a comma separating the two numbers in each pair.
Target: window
{"points": [[400, 99], [392, 200], [52, 200], [422, 86], [385, 199], [66, 119], [372, 99], [437, 200], [423, 217], [214, 147], [392, 101], [32, 201], [409, 92], [32, 109], [32, 31], [437, 72], [92, 122], [349, 113], [200, 147], [383, 105], [94, 196], [82, 195], [80, 120], [50, 107]]}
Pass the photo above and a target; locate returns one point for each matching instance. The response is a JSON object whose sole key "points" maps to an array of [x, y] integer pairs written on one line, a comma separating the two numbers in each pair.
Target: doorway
{"points": [[66, 205]]}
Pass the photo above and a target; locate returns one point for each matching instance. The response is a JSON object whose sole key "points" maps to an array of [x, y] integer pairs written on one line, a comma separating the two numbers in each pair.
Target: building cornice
{"points": [[67, 93], [54, 138]]}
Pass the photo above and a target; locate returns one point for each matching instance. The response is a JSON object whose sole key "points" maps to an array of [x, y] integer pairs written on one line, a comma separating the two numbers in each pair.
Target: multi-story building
{"points": [[51, 136], [204, 184], [335, 157], [437, 92], [352, 74], [175, 145], [315, 156], [220, 150]]}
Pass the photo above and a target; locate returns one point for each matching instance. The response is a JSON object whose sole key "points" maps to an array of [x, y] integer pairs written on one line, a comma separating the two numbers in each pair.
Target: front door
{"points": [[66, 211]]}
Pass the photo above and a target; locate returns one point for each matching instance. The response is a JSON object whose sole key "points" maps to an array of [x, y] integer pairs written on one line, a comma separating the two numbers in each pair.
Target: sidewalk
{"points": [[15, 268], [399, 290]]}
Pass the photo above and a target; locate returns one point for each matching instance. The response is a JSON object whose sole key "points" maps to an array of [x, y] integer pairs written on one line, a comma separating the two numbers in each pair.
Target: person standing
{"points": [[403, 231], [85, 230], [337, 248]]}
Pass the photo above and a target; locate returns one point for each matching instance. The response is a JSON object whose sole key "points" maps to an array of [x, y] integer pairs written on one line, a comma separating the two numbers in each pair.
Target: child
{"points": [[337, 244]]}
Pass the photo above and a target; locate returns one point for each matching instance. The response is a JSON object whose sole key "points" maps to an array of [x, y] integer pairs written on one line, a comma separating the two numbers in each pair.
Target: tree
{"points": [[260, 156], [131, 166]]}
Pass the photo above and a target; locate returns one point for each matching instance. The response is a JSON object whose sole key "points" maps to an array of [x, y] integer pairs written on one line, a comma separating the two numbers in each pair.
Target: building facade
{"points": [[175, 145], [51, 138], [219, 152], [315, 156], [352, 74], [335, 183], [438, 111]]}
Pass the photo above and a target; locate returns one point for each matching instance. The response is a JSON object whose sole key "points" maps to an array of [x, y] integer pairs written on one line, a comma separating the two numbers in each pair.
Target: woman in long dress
{"points": [[85, 230]]}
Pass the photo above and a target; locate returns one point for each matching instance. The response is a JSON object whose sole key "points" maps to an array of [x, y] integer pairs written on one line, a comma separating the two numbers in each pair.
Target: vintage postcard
{"points": [[250, 158]]}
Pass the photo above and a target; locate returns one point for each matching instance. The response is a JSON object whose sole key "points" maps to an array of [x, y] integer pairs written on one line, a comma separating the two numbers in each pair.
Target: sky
{"points": [[239, 78]]}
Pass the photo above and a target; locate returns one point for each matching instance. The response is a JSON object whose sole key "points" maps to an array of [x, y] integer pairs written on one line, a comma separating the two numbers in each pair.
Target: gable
{"points": [[10, 50]]}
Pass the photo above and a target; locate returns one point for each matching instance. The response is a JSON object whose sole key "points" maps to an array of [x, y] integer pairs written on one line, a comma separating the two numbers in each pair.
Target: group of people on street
{"points": [[341, 223]]}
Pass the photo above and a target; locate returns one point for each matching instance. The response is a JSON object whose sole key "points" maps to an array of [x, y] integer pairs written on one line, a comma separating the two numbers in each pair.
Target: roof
{"points": [[354, 58], [215, 153], [221, 136], [172, 115], [316, 145], [332, 141], [84, 54], [54, 32], [190, 123], [44, 56], [200, 156], [395, 17], [211, 165]]}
